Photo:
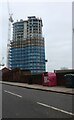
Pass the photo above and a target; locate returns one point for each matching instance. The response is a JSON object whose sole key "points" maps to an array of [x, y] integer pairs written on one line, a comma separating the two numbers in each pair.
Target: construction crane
{"points": [[10, 21]]}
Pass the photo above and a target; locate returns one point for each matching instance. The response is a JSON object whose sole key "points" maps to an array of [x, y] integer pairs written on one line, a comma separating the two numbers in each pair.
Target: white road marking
{"points": [[55, 108], [13, 93]]}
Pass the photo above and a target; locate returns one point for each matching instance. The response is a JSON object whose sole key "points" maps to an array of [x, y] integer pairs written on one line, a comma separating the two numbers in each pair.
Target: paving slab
{"points": [[58, 89]]}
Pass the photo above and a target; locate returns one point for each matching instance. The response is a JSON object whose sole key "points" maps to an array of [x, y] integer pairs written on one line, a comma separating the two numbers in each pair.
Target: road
{"points": [[18, 102]]}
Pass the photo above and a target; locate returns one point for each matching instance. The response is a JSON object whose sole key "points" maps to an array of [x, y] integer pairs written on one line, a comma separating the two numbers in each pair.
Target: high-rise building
{"points": [[27, 48]]}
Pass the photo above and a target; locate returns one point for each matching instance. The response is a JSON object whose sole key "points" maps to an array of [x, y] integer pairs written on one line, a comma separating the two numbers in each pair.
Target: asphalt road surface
{"points": [[18, 102]]}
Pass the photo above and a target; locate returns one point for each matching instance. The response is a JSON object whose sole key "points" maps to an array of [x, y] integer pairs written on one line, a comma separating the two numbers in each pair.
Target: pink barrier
{"points": [[49, 79]]}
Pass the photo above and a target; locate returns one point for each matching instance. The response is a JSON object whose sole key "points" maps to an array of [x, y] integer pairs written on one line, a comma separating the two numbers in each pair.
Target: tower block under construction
{"points": [[27, 48]]}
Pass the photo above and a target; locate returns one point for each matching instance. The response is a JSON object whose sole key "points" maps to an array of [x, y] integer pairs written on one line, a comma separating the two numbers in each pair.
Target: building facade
{"points": [[27, 48]]}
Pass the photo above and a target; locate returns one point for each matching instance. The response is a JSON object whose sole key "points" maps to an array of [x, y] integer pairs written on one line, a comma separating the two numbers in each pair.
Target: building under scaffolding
{"points": [[27, 48]]}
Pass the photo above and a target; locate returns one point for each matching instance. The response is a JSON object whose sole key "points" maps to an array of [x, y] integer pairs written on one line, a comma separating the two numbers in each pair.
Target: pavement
{"points": [[58, 89]]}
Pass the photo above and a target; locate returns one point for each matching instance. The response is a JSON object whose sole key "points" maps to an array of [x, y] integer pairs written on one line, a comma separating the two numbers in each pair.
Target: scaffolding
{"points": [[27, 52]]}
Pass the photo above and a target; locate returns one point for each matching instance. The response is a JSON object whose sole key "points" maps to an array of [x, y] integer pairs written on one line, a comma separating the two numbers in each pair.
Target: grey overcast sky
{"points": [[57, 28]]}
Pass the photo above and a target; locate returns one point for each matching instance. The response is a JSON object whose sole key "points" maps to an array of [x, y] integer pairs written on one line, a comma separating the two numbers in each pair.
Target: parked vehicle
{"points": [[69, 80]]}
